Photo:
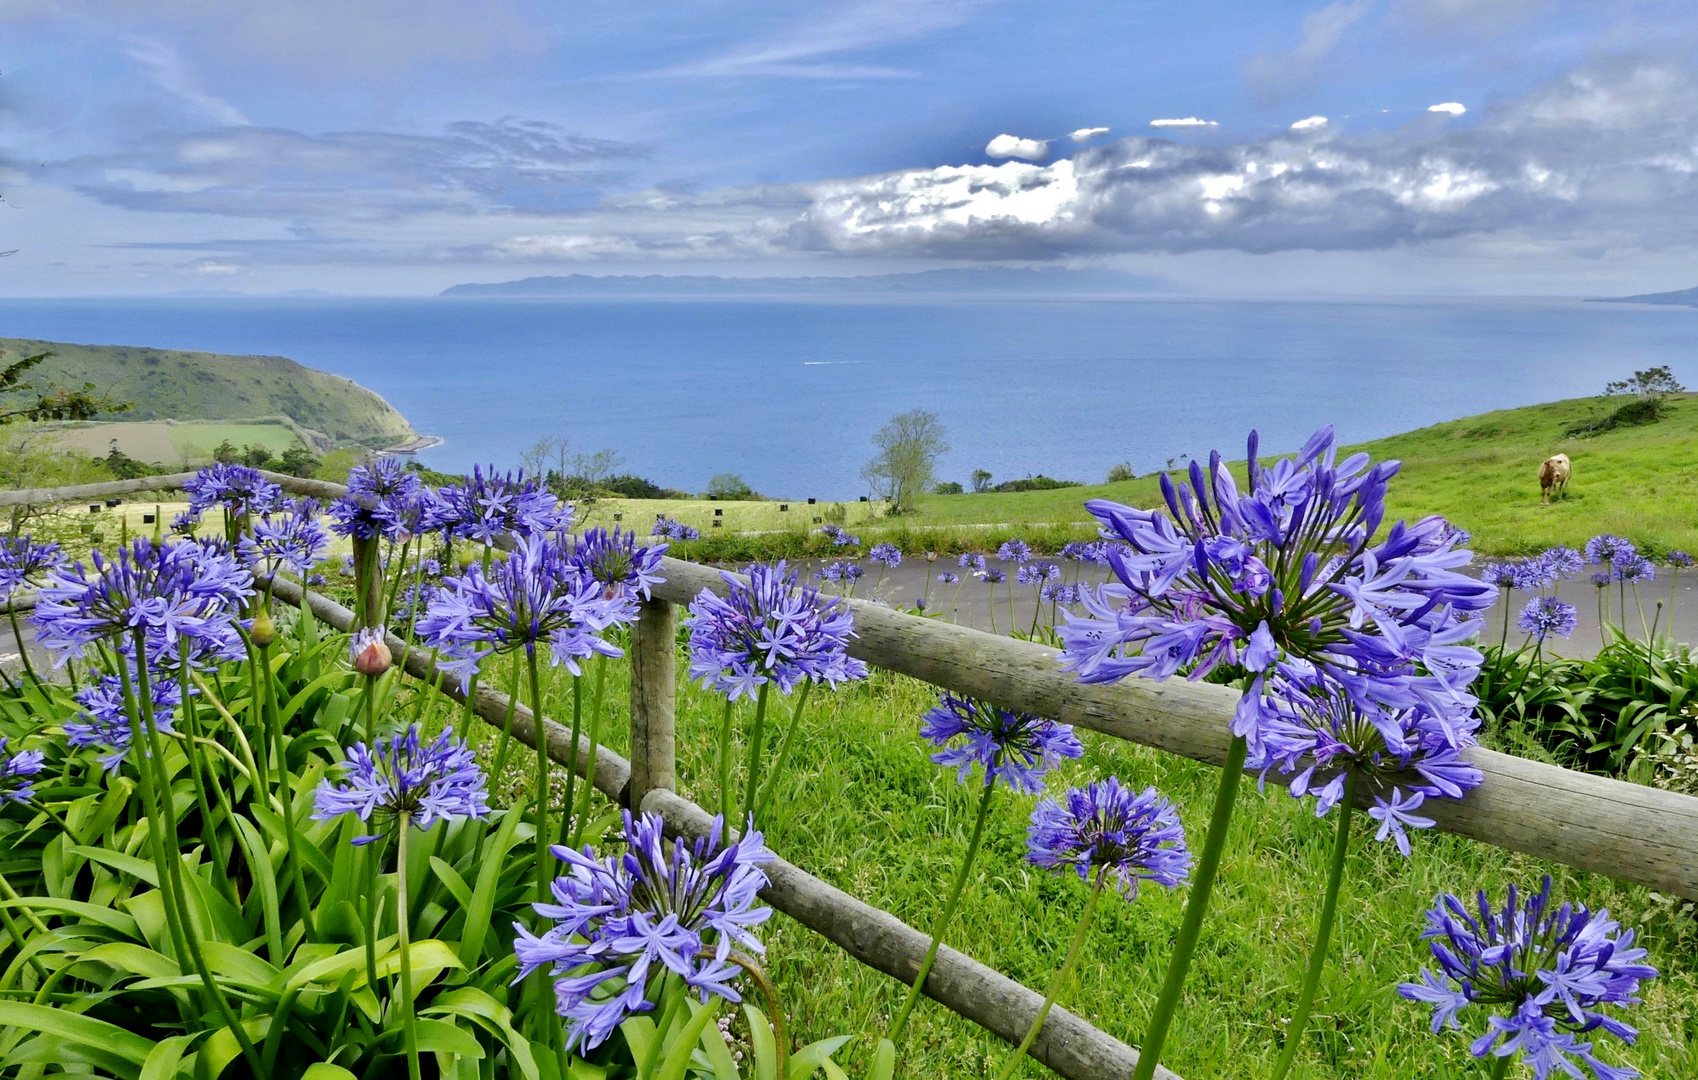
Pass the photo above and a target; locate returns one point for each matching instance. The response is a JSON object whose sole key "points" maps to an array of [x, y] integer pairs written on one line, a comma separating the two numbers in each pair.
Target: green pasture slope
{"points": [[1481, 472], [170, 384]]}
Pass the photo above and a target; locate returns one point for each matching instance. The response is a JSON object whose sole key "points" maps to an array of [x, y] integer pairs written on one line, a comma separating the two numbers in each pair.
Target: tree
{"points": [[949, 487], [1652, 384], [299, 461], [730, 486], [981, 481], [906, 464], [225, 453], [1121, 472], [256, 457], [51, 402]]}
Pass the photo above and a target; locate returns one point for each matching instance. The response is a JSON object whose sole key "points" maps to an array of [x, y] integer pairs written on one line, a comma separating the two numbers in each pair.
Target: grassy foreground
{"points": [[864, 809], [1481, 472]]}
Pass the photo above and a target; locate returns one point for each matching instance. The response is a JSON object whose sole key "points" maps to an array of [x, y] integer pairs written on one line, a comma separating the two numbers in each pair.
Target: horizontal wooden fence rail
{"points": [[42, 496], [1638, 834]]}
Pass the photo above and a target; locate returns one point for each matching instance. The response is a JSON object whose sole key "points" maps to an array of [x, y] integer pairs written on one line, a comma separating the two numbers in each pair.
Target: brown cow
{"points": [[1553, 477]]}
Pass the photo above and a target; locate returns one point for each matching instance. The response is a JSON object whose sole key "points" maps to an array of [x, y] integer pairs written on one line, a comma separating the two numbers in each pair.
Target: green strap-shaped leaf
{"points": [[442, 1037], [105, 916], [482, 907], [265, 880], [76, 1028], [452, 881], [135, 959], [718, 1054], [804, 1062], [323, 1070], [678, 1058], [166, 1058], [760, 1041], [480, 1008]]}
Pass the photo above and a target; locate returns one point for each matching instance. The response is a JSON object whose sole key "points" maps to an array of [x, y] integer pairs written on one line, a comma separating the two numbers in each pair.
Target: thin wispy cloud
{"points": [[166, 68]]}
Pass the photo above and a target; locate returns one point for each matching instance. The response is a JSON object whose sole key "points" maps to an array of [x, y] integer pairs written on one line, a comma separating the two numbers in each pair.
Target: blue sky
{"points": [[400, 146]]}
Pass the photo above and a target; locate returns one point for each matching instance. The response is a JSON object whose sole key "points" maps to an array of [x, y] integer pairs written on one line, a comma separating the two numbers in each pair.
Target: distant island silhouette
{"points": [[1002, 280], [1682, 298]]}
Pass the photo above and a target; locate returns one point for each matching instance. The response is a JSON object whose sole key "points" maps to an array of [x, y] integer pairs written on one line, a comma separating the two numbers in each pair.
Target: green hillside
{"points": [[168, 384], [1480, 472]]}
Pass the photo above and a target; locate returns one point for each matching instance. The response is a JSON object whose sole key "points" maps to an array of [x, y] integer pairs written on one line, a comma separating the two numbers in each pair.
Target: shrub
{"points": [[1039, 482], [949, 487], [1121, 472]]}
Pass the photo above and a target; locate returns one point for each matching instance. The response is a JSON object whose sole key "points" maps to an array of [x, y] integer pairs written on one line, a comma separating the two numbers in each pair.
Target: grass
{"points": [[1481, 472], [865, 810]]}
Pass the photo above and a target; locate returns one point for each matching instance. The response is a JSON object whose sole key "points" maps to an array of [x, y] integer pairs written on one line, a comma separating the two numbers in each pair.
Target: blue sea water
{"points": [[788, 393]]}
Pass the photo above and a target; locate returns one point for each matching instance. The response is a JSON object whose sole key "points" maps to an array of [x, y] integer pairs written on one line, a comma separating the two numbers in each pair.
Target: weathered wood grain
{"points": [[1067, 1044], [1637, 834], [36, 496], [654, 685]]}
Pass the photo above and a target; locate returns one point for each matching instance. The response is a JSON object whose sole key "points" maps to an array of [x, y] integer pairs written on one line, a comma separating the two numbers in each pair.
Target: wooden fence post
{"points": [[653, 689]]}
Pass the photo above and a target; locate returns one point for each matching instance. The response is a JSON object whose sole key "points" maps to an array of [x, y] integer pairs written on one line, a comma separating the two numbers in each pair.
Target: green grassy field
{"points": [[865, 810], [1481, 472]]}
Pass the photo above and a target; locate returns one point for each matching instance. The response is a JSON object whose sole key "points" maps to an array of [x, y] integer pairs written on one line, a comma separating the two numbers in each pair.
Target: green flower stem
{"points": [[990, 602], [1060, 981], [774, 1008], [506, 725], [402, 931], [956, 888], [150, 805], [571, 753], [757, 734], [770, 791], [23, 648], [262, 759], [208, 833], [580, 821], [18, 937], [542, 781], [368, 855], [174, 895], [1196, 905], [1323, 932], [725, 761], [1500, 1067], [286, 789]]}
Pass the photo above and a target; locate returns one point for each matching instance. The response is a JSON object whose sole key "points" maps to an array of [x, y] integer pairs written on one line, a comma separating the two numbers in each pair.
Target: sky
{"points": [[1219, 147]]}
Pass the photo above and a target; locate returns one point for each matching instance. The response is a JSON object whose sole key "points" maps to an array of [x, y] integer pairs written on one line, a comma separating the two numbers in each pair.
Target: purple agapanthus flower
{"points": [[25, 563], [383, 500], [1017, 748], [853, 572], [1015, 551], [1565, 562], [1634, 569], [840, 538], [625, 568], [766, 629], [1284, 572], [489, 505], [949, 577], [1319, 727], [1546, 615], [621, 922], [1678, 559], [1546, 974], [1106, 828], [674, 530], [888, 554], [1532, 575], [1605, 548], [441, 781], [1037, 571], [531, 595], [290, 540], [993, 576], [1057, 593], [1501, 575], [237, 488], [170, 592], [15, 772], [1601, 580], [971, 562], [108, 723]]}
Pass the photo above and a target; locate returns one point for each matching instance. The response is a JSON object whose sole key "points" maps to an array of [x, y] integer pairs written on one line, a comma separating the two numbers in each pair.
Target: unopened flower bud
{"points": [[369, 653], [263, 631]]}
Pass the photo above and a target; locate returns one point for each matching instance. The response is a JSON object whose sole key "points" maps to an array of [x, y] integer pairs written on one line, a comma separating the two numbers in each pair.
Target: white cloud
{"points": [[1309, 123], [1184, 122], [1007, 146], [1087, 134], [1454, 108], [165, 66]]}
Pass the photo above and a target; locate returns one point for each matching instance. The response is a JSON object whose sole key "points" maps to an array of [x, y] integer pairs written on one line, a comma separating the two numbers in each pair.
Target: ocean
{"points": [[787, 393]]}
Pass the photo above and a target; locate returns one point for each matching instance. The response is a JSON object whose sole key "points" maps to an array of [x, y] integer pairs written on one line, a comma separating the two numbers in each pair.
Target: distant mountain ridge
{"points": [[171, 384], [1682, 298], [931, 282]]}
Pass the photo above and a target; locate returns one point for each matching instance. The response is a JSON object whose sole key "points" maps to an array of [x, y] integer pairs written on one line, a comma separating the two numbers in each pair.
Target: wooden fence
{"points": [[1637, 834]]}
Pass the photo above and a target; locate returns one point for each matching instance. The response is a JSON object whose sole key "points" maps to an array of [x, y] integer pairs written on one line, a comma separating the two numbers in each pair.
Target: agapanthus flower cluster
{"points": [[625, 569], [1678, 559], [949, 577], [1057, 593], [1094, 552], [840, 537], [489, 505], [1605, 548], [237, 488], [1546, 973], [172, 592], [1015, 747], [1634, 569], [1546, 615], [15, 772], [992, 576], [185, 524], [1015, 551], [840, 571], [438, 782], [1105, 828], [674, 530], [1285, 572], [1037, 572], [287, 538], [1322, 726], [383, 499], [767, 629], [24, 563], [108, 723], [888, 554], [621, 922], [533, 594]]}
